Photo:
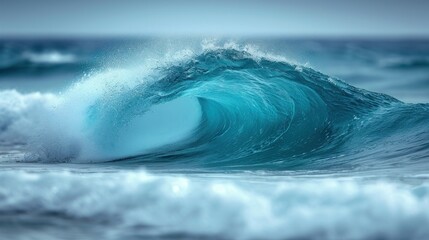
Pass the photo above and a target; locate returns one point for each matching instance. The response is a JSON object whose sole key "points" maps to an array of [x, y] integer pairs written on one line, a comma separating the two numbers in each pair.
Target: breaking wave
{"points": [[225, 107]]}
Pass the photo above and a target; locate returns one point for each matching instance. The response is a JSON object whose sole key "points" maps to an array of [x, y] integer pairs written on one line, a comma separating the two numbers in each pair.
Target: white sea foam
{"points": [[54, 127], [22, 113], [243, 208]]}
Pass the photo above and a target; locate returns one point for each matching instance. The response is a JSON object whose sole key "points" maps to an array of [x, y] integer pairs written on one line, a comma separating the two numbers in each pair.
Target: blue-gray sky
{"points": [[187, 17]]}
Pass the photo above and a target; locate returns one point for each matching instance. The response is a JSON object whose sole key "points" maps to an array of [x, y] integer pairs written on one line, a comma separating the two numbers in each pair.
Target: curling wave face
{"points": [[224, 108]]}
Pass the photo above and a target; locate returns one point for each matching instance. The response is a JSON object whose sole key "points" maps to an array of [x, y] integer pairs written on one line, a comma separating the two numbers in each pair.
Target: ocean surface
{"points": [[214, 139]]}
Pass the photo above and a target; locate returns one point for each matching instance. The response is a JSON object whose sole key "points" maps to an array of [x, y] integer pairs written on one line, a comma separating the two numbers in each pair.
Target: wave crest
{"points": [[227, 107]]}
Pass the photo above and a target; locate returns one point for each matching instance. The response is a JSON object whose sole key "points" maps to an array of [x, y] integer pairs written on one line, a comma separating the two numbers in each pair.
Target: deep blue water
{"points": [[247, 139]]}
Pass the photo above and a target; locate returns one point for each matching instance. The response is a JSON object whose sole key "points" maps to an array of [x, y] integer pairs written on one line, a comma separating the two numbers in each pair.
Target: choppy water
{"points": [[200, 139]]}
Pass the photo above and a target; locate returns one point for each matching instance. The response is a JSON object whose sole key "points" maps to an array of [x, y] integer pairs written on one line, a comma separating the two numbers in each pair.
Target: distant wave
{"points": [[227, 107], [50, 57], [31, 61], [413, 62]]}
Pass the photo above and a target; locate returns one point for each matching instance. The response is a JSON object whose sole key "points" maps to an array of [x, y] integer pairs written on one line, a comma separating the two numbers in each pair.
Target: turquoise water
{"points": [[205, 139]]}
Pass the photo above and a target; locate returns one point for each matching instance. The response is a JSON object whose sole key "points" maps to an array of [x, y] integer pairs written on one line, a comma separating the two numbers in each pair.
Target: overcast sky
{"points": [[175, 17]]}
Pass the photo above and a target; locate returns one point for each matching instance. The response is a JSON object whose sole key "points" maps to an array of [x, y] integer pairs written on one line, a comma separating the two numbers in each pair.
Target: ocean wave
{"points": [[41, 62], [412, 62], [293, 208], [50, 57], [223, 107], [20, 113]]}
